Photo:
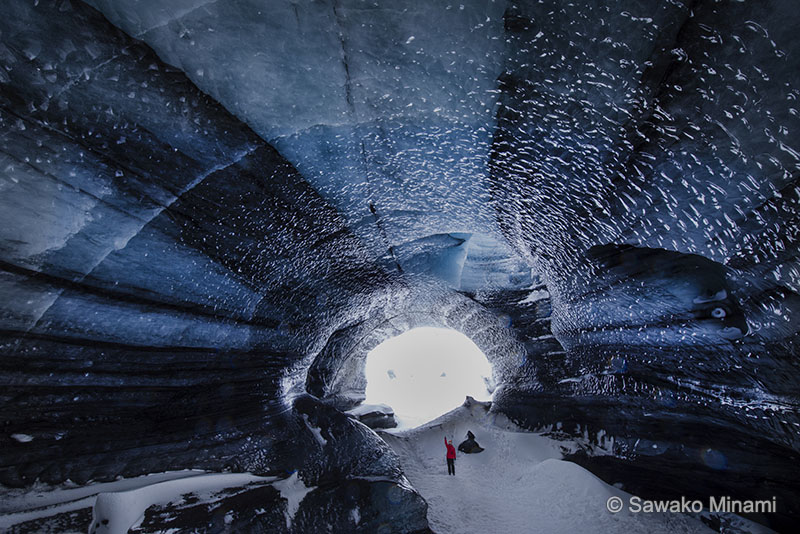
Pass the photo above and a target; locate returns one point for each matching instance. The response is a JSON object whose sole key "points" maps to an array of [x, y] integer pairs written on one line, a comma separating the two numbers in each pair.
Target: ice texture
{"points": [[212, 211]]}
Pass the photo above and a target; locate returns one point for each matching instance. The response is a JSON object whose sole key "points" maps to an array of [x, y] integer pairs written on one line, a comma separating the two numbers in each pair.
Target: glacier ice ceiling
{"points": [[212, 211]]}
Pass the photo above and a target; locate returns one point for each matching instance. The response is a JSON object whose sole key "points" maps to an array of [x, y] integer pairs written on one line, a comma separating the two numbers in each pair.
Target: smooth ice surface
{"points": [[425, 372], [419, 111]]}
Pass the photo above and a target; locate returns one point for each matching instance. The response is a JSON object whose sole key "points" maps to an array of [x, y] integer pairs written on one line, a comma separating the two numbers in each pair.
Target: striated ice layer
{"points": [[210, 210], [388, 121]]}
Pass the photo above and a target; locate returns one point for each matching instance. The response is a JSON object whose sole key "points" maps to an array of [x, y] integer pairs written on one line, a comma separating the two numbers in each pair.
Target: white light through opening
{"points": [[426, 372]]}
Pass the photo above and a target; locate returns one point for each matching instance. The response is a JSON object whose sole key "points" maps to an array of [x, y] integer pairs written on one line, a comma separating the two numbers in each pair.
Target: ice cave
{"points": [[212, 212]]}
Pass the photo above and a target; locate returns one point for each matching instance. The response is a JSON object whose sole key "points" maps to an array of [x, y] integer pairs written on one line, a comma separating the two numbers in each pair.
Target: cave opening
{"points": [[426, 372]]}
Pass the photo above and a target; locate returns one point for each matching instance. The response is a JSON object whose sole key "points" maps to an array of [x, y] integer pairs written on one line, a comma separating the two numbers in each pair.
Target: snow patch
{"points": [[316, 431], [535, 296], [294, 491], [363, 409], [720, 295], [118, 512], [9, 520], [46, 496], [575, 379]]}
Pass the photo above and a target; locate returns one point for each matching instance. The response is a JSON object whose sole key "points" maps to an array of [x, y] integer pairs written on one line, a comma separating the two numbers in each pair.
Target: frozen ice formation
{"points": [[212, 211]]}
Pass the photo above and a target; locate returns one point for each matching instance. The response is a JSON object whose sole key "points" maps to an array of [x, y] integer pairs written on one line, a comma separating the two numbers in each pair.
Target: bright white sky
{"points": [[426, 372]]}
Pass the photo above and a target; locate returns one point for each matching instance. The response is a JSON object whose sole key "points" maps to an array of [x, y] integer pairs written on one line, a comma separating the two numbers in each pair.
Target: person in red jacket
{"points": [[451, 457]]}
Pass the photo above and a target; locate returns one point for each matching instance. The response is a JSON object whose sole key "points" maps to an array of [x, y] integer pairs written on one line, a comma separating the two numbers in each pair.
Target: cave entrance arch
{"points": [[337, 373], [425, 372]]}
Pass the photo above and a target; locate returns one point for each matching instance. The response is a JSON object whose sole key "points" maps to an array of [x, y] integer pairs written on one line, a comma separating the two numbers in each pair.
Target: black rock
{"points": [[469, 445]]}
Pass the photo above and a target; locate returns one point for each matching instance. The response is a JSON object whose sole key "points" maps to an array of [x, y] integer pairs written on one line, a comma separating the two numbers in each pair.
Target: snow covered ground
{"points": [[119, 506], [41, 501], [518, 484]]}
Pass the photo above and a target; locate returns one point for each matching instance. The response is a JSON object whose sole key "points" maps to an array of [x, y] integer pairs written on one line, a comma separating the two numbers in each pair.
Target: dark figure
{"points": [[451, 457], [469, 445]]}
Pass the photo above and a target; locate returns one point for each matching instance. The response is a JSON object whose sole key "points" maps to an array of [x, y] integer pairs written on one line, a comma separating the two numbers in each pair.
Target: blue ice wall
{"points": [[209, 209]]}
